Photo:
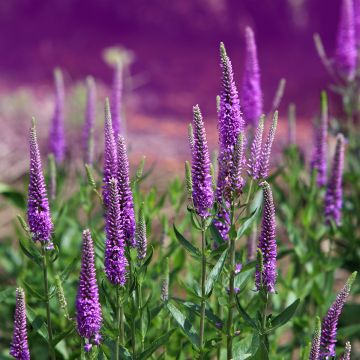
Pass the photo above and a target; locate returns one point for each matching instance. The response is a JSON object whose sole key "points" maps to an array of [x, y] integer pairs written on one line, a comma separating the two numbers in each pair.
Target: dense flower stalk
{"points": [[267, 243], [346, 54], [115, 259], [330, 322], [319, 162], [165, 283], [90, 112], [56, 136], [116, 98], [315, 344], [19, 348], [255, 156], [230, 124], [38, 211], [127, 215], [266, 149], [347, 353], [141, 240], [88, 317], [237, 181], [202, 192], [110, 154], [251, 95], [333, 197]]}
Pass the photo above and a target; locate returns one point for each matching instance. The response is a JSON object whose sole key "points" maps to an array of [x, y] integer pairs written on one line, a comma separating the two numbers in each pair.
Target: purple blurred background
{"points": [[176, 54]]}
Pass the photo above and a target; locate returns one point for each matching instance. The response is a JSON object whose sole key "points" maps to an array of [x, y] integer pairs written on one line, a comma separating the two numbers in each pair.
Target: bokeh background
{"points": [[174, 45]]}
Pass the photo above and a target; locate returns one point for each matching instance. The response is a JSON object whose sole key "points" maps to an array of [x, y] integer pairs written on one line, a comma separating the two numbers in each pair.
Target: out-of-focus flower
{"points": [[116, 98], [255, 158], [315, 344], [90, 113], [141, 240]]}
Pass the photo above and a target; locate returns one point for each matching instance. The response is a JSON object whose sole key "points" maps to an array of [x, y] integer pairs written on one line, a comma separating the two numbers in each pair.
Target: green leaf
{"points": [[245, 315], [10, 291], [37, 323], [30, 250], [262, 353], [63, 335], [285, 315], [215, 273], [215, 234], [14, 196], [246, 347], [186, 244], [162, 340], [185, 324], [242, 278]]}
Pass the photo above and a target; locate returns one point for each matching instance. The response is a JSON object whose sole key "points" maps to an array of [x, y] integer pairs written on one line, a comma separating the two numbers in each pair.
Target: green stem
{"points": [[141, 315], [203, 279], [133, 337], [231, 299], [47, 302], [249, 192], [118, 320]]}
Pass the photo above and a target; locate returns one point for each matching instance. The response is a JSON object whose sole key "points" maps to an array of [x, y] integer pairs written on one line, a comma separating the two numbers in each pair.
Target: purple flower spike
{"points": [[116, 98], [357, 21], [38, 211], [56, 136], [347, 353], [202, 194], [115, 259], [237, 181], [346, 53], [110, 154], [127, 216], [230, 124], [88, 132], [319, 162], [266, 150], [88, 317], [141, 240], [19, 348], [254, 161], [315, 344], [87, 347], [330, 322], [333, 197], [267, 243], [251, 95]]}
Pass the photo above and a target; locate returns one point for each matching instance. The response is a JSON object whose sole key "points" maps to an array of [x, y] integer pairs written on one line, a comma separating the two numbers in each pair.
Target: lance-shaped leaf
{"points": [[215, 273], [186, 244], [285, 315]]}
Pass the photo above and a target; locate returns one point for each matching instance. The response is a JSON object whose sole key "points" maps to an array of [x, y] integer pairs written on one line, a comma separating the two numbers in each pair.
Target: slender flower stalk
{"points": [[230, 124], [330, 322], [315, 344], [89, 316], [347, 353], [254, 161], [292, 125], [202, 192], [267, 243], [19, 348], [333, 197], [52, 176], [116, 98], [110, 154], [346, 53], [191, 137], [90, 113], [319, 162], [127, 214], [115, 259], [188, 180], [251, 94], [164, 296], [141, 240], [266, 150], [38, 211], [56, 135], [237, 181]]}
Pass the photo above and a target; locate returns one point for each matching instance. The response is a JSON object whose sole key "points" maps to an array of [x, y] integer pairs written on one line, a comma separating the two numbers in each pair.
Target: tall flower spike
{"points": [[237, 181], [330, 322], [19, 348], [88, 131], [56, 136], [251, 95], [318, 161], [165, 283], [127, 216], [110, 154], [333, 197], [346, 54], [357, 21], [267, 243], [347, 353], [254, 161], [88, 317], [38, 211], [115, 259], [202, 194], [230, 124], [315, 344], [191, 137], [116, 98], [141, 240], [266, 150]]}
